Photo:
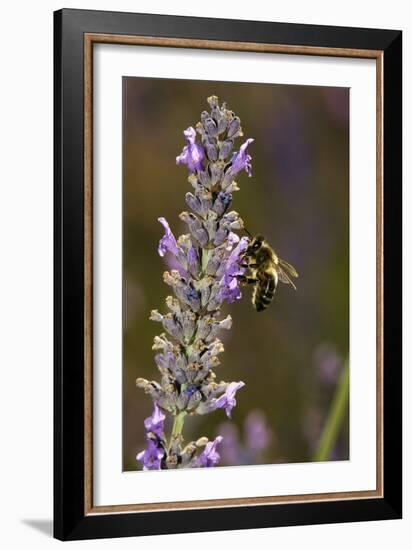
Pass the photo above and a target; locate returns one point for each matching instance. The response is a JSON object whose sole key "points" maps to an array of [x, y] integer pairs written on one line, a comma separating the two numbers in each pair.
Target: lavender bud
{"points": [[162, 343], [188, 322], [173, 327], [173, 305], [222, 125], [210, 126], [193, 261], [196, 227], [216, 171], [152, 388], [231, 187], [182, 401], [204, 116], [210, 224], [205, 288], [204, 327], [226, 149], [211, 151], [188, 454], [155, 315], [194, 400], [193, 203], [171, 462], [204, 179], [213, 101], [222, 203], [215, 260], [234, 128]]}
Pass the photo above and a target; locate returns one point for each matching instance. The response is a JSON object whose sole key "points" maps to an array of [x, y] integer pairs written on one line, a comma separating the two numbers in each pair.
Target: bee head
{"points": [[256, 243]]}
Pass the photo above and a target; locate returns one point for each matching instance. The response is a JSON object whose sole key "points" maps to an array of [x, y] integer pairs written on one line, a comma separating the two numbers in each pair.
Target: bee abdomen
{"points": [[264, 291]]}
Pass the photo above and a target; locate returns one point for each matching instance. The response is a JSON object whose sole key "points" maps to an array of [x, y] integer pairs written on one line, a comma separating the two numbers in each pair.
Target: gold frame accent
{"points": [[89, 40]]}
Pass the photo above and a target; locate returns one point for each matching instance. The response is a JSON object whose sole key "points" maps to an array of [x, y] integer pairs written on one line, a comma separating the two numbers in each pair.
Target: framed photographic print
{"points": [[227, 274]]}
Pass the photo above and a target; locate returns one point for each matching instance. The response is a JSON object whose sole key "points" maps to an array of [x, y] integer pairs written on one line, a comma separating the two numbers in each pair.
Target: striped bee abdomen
{"points": [[264, 290]]}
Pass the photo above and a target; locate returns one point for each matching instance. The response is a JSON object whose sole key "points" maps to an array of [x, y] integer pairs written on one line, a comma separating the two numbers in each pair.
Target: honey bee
{"points": [[264, 270]]}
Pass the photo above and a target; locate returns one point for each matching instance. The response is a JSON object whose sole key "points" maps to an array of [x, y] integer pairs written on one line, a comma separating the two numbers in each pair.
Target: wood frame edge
{"points": [[89, 40]]}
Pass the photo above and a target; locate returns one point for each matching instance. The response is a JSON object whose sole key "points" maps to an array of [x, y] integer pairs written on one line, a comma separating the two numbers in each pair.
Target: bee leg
{"points": [[246, 280], [248, 265]]}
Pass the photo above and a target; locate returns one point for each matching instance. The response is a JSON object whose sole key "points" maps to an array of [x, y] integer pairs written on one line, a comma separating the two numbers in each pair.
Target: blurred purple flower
{"points": [[155, 423], [258, 434], [242, 159], [151, 456], [192, 154], [227, 401], [328, 363], [230, 450], [168, 241], [337, 104], [210, 457], [257, 437]]}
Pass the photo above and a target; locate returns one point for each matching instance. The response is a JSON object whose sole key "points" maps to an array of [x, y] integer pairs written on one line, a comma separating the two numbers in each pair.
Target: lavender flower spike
{"points": [[205, 265], [192, 154]]}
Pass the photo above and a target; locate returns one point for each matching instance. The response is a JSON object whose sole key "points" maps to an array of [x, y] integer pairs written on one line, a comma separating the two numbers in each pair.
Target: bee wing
{"points": [[288, 268], [284, 277], [285, 271]]}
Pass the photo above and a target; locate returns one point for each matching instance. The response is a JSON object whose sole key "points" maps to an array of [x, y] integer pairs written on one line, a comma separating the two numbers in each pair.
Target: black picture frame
{"points": [[70, 520]]}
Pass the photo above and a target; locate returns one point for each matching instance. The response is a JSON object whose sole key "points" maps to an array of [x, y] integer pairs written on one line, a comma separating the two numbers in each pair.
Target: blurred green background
{"points": [[291, 355]]}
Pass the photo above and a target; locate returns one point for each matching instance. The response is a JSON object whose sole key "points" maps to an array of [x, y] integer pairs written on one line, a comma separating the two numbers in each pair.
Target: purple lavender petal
{"points": [[230, 285], [230, 292], [242, 160], [232, 239], [210, 457], [192, 154], [192, 258], [168, 242], [172, 262], [227, 401], [151, 456], [155, 423]]}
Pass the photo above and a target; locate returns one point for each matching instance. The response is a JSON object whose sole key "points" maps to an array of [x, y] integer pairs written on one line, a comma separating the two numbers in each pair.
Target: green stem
{"points": [[335, 418], [177, 426], [205, 259]]}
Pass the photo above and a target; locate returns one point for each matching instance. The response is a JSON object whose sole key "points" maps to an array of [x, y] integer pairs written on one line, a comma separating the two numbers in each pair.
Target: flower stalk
{"points": [[335, 418], [178, 424], [208, 259]]}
